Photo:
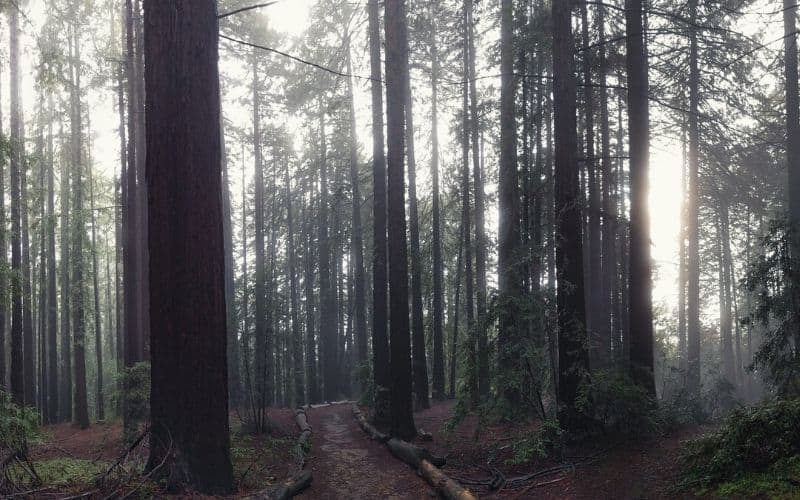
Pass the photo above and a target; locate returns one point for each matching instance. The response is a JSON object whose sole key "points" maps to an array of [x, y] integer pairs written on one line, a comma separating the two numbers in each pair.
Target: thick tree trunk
{"points": [[327, 287], [187, 280], [402, 417], [572, 354], [640, 277], [380, 342], [78, 238], [509, 256]]}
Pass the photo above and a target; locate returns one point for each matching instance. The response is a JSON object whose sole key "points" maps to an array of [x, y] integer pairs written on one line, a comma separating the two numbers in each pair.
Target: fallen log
{"points": [[411, 454], [369, 428], [287, 489], [445, 486]]}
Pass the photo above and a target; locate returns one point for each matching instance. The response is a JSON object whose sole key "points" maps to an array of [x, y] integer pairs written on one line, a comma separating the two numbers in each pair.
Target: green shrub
{"points": [[617, 405], [18, 425], [547, 440], [750, 440]]}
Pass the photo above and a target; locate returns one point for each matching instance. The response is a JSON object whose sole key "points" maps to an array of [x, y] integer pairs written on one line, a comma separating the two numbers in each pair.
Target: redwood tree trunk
{"points": [[402, 416], [187, 253], [572, 355]]}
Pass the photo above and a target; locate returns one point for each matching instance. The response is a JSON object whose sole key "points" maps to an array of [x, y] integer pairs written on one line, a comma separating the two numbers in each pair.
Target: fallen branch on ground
{"points": [[447, 487]]}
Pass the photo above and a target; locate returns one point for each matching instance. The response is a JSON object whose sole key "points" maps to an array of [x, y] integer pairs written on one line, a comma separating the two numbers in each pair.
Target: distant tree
{"points": [[187, 281]]}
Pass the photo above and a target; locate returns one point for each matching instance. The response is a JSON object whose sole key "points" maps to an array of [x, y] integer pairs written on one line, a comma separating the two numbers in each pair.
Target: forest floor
{"points": [[346, 464]]}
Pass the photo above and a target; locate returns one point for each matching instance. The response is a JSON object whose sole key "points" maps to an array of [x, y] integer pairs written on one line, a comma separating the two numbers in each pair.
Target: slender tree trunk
{"points": [[17, 155], [327, 287], [419, 362], [396, 75], [682, 274], [98, 333], [4, 282], [28, 336], [456, 310], [693, 296], [51, 301], [188, 280], [298, 396], [573, 357], [606, 319], [380, 320], [356, 243], [480, 213], [726, 304], [234, 372], [438, 267], [311, 309], [143, 301]]}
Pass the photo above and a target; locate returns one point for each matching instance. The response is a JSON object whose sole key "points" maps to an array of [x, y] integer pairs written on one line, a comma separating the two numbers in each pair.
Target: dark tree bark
{"points": [[17, 154], [4, 282], [29, 341], [262, 376], [693, 257], [311, 309], [380, 342], [605, 321], [187, 279], [726, 302], [419, 364], [327, 283], [143, 265], [480, 211], [298, 395], [402, 417], [456, 310], [509, 255], [572, 354], [436, 242], [594, 249], [640, 277], [78, 236]]}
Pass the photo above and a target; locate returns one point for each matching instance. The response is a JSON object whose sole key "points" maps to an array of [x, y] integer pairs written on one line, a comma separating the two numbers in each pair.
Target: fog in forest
{"points": [[399, 249]]}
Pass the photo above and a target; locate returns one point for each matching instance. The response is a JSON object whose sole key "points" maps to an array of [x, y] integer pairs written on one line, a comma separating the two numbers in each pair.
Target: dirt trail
{"points": [[348, 465]]}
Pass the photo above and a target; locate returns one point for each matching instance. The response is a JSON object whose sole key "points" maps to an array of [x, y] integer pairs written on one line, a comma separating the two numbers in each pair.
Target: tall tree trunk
{"points": [[380, 341], [132, 272], [4, 282], [466, 215], [261, 376], [640, 277], [356, 243], [726, 305], [298, 396], [572, 354], [509, 255], [480, 213], [311, 309], [51, 301], [29, 339], [327, 287], [234, 372], [436, 242], [78, 237], [606, 319], [456, 310], [682, 272], [693, 295], [17, 155], [396, 75], [186, 280], [143, 266], [419, 363], [98, 332]]}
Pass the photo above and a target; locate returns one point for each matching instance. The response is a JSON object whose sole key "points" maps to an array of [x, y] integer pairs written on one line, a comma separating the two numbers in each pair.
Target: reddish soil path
{"points": [[349, 465]]}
